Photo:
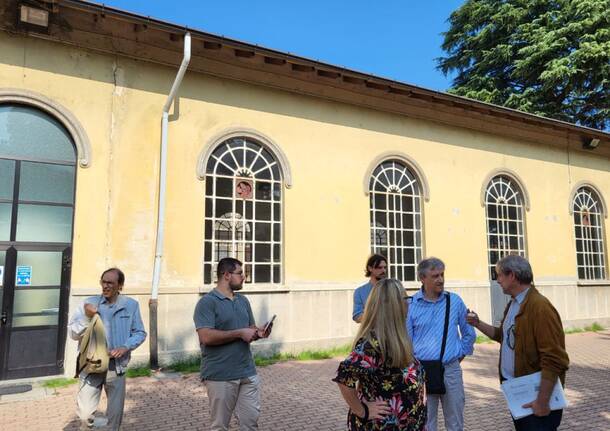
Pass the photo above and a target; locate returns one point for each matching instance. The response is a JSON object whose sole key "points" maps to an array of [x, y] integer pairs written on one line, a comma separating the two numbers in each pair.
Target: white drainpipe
{"points": [[154, 294]]}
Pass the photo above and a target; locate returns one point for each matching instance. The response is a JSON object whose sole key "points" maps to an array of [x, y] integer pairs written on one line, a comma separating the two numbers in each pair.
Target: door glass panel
{"points": [[5, 221], [40, 320], [7, 177], [46, 183], [29, 133], [44, 268], [42, 223], [43, 302], [2, 276]]}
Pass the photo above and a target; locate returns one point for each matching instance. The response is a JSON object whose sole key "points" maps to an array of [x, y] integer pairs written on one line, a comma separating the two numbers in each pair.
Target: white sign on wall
{"points": [[1, 275]]}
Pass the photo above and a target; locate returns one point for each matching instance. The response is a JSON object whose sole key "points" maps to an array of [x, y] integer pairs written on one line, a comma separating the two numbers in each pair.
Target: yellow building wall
{"points": [[329, 147]]}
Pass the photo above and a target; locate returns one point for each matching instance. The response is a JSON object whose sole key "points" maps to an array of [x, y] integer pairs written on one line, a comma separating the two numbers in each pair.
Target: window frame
{"points": [[502, 216], [80, 139], [249, 224], [15, 200], [581, 192], [396, 191]]}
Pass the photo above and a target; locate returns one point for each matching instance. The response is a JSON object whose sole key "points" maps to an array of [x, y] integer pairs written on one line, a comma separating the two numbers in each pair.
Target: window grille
{"points": [[589, 234], [395, 218], [243, 210], [504, 207]]}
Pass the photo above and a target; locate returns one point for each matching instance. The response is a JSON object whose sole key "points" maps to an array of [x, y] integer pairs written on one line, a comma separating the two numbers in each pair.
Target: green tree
{"points": [[550, 58]]}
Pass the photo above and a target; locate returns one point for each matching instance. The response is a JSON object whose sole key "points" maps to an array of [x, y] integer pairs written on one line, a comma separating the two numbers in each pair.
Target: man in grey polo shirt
{"points": [[225, 326]]}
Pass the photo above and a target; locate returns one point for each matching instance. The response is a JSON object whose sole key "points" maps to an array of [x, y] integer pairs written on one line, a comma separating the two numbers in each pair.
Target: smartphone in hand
{"points": [[268, 324]]}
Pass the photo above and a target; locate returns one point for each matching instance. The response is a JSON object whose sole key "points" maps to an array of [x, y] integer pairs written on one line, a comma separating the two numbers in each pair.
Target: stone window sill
{"points": [[593, 283], [258, 288]]}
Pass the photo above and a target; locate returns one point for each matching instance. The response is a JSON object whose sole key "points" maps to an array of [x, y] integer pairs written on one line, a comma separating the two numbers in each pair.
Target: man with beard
{"points": [[225, 326], [376, 267], [426, 325]]}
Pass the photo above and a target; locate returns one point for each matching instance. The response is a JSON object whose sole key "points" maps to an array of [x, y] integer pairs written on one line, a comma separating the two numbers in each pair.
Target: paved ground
{"points": [[300, 396]]}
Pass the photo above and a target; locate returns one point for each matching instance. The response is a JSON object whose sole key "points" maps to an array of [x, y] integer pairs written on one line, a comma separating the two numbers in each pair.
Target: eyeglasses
{"points": [[240, 273], [510, 341]]}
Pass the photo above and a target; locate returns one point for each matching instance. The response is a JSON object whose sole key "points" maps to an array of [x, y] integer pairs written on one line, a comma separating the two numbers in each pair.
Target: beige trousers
{"points": [[241, 396], [90, 391]]}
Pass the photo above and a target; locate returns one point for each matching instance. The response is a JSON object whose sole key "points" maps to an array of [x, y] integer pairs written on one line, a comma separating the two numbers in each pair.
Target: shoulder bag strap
{"points": [[447, 305]]}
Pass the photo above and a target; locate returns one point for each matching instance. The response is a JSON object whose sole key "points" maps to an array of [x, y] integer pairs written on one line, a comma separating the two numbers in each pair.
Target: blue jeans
{"points": [[539, 423]]}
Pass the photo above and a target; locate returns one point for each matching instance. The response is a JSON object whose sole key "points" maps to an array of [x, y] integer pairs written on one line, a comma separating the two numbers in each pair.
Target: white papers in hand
{"points": [[524, 389]]}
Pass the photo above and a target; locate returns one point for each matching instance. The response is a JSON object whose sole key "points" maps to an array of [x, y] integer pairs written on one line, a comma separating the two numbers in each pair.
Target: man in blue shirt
{"points": [[376, 267], [124, 333], [425, 324]]}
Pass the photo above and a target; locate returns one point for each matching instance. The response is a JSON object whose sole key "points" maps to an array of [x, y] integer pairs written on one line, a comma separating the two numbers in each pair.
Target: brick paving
{"points": [[300, 396]]}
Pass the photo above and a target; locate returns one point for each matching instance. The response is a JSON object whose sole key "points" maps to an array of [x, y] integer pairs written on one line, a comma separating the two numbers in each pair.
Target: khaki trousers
{"points": [[90, 391], [241, 396]]}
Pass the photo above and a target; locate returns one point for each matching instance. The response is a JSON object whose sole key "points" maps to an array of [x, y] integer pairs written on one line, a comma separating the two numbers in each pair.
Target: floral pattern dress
{"points": [[365, 370]]}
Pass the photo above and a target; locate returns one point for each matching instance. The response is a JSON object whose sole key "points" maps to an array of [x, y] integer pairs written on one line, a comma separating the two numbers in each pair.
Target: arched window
{"points": [[395, 208], [37, 177], [589, 235], [504, 207], [243, 210]]}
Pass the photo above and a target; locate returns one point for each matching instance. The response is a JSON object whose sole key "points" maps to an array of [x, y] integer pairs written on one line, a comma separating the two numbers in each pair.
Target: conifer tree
{"points": [[545, 57]]}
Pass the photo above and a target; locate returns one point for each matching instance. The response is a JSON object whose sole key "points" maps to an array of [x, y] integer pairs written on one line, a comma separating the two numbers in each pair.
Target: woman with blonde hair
{"points": [[381, 381]]}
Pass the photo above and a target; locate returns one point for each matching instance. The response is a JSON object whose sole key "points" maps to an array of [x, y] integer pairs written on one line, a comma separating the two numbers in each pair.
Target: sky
{"points": [[389, 38]]}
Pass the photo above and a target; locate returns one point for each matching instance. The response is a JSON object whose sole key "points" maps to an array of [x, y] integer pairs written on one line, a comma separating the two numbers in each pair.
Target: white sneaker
{"points": [[100, 422]]}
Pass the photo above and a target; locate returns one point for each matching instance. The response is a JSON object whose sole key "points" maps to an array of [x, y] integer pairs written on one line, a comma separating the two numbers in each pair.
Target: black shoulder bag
{"points": [[435, 371]]}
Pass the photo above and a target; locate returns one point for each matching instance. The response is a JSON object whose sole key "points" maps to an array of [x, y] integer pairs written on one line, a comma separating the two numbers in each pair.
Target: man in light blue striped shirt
{"points": [[425, 324]]}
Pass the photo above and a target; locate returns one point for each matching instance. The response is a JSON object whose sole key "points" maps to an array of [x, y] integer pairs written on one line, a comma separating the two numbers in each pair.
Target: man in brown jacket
{"points": [[532, 339]]}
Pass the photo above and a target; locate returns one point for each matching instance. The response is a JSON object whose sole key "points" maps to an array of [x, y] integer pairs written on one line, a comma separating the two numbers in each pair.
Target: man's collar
{"points": [[419, 296], [218, 294], [105, 300], [119, 304], [521, 297]]}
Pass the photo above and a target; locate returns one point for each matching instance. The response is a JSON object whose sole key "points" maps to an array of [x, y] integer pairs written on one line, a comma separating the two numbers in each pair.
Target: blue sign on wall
{"points": [[24, 276]]}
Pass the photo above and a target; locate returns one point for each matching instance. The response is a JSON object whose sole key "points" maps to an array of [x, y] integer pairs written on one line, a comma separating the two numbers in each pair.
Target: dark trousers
{"points": [[539, 423]]}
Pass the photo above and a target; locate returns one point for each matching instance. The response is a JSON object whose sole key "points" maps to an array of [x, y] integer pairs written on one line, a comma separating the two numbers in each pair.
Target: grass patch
{"points": [[306, 355], [595, 327], [188, 365], [263, 361], [309, 355], [139, 372], [483, 339], [569, 331], [62, 382], [192, 364]]}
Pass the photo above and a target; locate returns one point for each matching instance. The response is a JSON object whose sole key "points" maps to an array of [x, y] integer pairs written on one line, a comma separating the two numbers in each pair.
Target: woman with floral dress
{"points": [[381, 381]]}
